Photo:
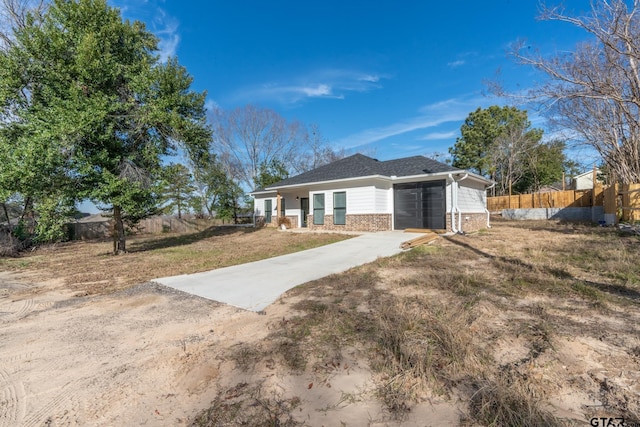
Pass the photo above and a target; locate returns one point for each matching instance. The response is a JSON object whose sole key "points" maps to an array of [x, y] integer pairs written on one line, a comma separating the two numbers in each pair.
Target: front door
{"points": [[304, 207]]}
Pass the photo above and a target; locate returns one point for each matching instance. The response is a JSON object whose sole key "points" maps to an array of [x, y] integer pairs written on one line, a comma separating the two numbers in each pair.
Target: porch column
{"points": [[278, 204]]}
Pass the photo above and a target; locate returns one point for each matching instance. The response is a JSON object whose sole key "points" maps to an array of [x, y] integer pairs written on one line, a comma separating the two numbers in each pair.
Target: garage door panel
{"points": [[419, 205]]}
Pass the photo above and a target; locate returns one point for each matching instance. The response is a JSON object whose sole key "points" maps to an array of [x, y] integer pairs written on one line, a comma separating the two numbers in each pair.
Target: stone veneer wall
{"points": [[260, 221], [294, 220], [476, 221], [359, 222], [375, 222]]}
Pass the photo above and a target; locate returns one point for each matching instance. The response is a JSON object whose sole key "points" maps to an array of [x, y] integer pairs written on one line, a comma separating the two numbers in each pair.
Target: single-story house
{"points": [[584, 181], [358, 193]]}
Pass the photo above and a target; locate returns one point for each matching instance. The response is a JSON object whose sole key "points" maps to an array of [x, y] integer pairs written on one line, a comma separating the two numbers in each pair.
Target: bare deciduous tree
{"points": [[13, 16], [249, 137], [595, 90], [317, 150], [510, 152]]}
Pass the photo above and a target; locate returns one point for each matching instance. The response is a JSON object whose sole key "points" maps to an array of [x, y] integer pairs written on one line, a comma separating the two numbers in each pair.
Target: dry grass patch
{"points": [[483, 320], [89, 267], [249, 405]]}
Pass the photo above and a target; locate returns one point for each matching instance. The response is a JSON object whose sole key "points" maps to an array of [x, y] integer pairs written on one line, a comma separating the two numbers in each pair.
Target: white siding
{"points": [[258, 205], [583, 182], [360, 200], [384, 200], [472, 197]]}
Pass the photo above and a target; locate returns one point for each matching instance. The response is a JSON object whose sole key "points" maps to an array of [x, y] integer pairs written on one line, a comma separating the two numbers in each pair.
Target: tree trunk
{"points": [[179, 210], [6, 213], [27, 203], [119, 239], [207, 207]]}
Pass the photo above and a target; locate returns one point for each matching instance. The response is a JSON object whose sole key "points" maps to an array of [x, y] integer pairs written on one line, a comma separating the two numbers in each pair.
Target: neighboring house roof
{"points": [[359, 165], [99, 217]]}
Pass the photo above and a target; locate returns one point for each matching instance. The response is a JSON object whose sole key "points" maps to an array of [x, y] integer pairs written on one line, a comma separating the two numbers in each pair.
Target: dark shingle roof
{"points": [[360, 165]]}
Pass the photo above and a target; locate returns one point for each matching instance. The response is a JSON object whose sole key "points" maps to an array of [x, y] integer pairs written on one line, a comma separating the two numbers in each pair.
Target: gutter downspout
{"points": [[459, 211], [453, 204], [487, 210]]}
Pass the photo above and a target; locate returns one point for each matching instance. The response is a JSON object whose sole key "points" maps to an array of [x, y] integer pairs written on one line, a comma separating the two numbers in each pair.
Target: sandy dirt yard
{"points": [[143, 356], [520, 317]]}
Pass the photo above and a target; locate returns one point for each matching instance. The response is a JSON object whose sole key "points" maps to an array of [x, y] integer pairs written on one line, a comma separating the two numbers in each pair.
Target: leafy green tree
{"points": [[544, 165], [499, 142], [510, 153], [479, 133], [218, 192], [101, 109], [178, 188], [227, 205], [210, 180], [270, 173]]}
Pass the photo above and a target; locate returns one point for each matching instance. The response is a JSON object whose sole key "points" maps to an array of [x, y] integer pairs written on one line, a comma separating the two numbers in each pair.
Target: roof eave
{"points": [[392, 178], [331, 181]]}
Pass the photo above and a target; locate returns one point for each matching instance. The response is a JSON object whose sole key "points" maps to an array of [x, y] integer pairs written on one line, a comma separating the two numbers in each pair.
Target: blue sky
{"points": [[392, 79]]}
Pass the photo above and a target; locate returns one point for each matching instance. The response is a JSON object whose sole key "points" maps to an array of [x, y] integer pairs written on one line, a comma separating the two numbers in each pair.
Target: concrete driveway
{"points": [[255, 285]]}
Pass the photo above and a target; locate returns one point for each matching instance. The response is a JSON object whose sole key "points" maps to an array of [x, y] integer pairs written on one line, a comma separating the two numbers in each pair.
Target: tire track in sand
{"points": [[12, 400], [63, 409], [16, 310]]}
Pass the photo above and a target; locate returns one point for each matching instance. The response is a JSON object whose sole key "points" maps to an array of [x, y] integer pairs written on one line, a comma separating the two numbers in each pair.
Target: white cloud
{"points": [[431, 116], [211, 105], [289, 94], [369, 78], [324, 83], [456, 64], [163, 25], [317, 91], [436, 136], [166, 28]]}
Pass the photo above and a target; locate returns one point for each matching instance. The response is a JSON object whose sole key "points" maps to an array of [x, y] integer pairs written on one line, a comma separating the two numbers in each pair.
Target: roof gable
{"points": [[359, 165]]}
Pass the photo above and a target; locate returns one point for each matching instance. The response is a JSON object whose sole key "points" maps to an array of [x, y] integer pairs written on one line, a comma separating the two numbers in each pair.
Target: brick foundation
{"points": [[358, 222]]}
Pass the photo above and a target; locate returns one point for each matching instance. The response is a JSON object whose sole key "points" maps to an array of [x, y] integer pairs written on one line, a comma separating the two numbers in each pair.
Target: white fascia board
{"points": [[479, 178], [411, 178], [311, 184], [421, 177], [441, 175], [262, 193]]}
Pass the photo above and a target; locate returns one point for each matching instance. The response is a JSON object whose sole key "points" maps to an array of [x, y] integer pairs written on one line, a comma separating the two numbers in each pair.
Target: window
{"points": [[318, 209], [282, 210], [340, 208], [267, 211]]}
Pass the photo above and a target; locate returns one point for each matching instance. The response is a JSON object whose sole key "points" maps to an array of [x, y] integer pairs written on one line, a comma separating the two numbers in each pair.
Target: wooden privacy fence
{"points": [[624, 201], [620, 200], [554, 199], [153, 225]]}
